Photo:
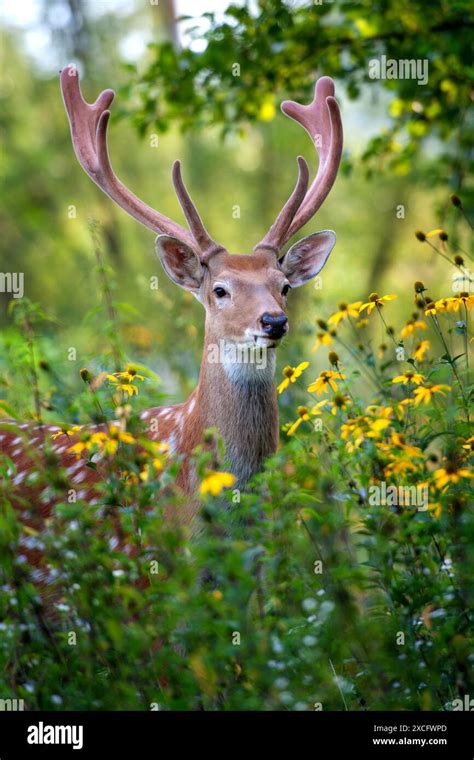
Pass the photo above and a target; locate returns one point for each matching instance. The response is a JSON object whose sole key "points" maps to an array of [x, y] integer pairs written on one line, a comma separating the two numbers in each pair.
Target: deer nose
{"points": [[274, 326]]}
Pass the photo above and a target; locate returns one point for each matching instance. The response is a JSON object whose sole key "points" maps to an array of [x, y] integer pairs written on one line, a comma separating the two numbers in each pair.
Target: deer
{"points": [[244, 297]]}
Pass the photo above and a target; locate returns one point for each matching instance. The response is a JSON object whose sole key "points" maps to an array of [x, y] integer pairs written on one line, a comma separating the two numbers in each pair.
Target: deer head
{"points": [[244, 295]]}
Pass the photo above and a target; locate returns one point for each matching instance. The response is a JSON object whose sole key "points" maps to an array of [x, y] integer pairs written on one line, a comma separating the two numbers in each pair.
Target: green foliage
{"points": [[278, 47], [302, 593]]}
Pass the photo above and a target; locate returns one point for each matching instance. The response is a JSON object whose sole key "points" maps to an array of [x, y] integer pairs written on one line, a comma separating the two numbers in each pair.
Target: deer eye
{"points": [[220, 292], [285, 289]]}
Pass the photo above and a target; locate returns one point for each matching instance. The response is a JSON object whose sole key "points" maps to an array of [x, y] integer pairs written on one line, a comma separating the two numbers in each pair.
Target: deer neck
{"points": [[236, 394]]}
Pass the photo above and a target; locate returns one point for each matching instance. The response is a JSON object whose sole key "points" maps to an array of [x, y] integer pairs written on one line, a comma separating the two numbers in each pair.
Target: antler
{"points": [[89, 137], [322, 121]]}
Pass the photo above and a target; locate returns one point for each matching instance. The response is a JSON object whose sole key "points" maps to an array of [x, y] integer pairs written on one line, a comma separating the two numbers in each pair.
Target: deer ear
{"points": [[180, 262], [307, 257]]}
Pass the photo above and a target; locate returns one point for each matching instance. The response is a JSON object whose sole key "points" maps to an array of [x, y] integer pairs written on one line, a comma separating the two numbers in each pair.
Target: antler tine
{"points": [[206, 243], [89, 137], [322, 121], [275, 235]]}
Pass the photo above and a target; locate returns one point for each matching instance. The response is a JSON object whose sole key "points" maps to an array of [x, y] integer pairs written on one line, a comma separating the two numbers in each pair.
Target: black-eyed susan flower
{"points": [[377, 410], [420, 350], [376, 427], [105, 441], [376, 300], [215, 482], [291, 374], [411, 326], [360, 428], [344, 310], [400, 465], [322, 339], [303, 416], [426, 392], [454, 303], [409, 377], [326, 380], [71, 431], [124, 381], [339, 402], [157, 451], [398, 441], [451, 473], [353, 432]]}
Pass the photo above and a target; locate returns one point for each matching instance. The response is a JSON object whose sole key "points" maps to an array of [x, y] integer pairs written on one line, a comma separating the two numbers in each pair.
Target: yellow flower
{"points": [[450, 474], [402, 455], [355, 429], [411, 326], [129, 375], [380, 411], [409, 377], [74, 429], [322, 339], [123, 381], [454, 303], [78, 448], [399, 466], [303, 413], [291, 374], [425, 393], [215, 482], [421, 350], [376, 427], [375, 300], [325, 381], [106, 441], [158, 447], [316, 410], [344, 310], [431, 308], [399, 441], [469, 444], [338, 402], [125, 387], [158, 452]]}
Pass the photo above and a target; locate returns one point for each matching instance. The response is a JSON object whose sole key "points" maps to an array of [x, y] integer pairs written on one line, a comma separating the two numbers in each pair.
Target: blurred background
{"points": [[408, 146]]}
